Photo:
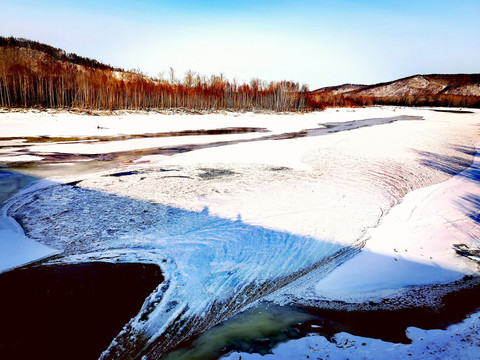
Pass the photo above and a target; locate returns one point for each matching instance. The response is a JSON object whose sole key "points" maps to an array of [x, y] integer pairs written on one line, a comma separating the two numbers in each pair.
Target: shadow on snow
{"points": [[454, 165], [213, 267]]}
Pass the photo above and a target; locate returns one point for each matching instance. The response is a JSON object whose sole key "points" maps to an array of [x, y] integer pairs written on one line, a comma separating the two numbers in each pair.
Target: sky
{"points": [[318, 43]]}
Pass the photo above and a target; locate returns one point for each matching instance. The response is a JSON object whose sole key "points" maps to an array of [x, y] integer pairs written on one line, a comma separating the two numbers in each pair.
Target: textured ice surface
{"points": [[417, 242], [213, 267]]}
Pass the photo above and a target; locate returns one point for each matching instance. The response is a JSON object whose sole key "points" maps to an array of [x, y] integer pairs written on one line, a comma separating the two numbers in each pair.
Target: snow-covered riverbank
{"points": [[15, 248], [459, 341], [213, 215]]}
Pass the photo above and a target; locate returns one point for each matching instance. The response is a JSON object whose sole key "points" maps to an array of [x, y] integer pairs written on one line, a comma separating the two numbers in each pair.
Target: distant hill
{"points": [[55, 53], [450, 90], [342, 89], [416, 85]]}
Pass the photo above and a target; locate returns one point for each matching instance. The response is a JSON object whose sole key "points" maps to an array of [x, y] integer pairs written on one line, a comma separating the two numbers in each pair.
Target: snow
{"points": [[20, 158], [56, 124], [414, 242], [232, 224], [16, 249], [64, 124], [134, 144], [34, 124]]}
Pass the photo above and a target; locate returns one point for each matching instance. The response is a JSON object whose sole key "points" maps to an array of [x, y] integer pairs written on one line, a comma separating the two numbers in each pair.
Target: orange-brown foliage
{"points": [[38, 75], [30, 78]]}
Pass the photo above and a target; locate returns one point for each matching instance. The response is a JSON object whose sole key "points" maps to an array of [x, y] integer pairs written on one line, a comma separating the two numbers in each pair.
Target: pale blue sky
{"points": [[319, 43]]}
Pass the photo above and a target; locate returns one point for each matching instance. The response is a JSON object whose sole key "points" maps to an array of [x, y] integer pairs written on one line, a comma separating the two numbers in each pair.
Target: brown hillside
{"points": [[53, 53], [341, 89], [452, 90], [417, 85]]}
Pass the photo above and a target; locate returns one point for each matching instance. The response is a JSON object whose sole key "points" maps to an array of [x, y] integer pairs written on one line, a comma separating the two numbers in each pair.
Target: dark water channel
{"points": [[69, 311]]}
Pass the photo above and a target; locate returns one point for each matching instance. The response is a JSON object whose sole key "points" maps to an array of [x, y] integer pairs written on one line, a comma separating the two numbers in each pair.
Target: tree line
{"points": [[441, 100], [41, 76], [33, 74]]}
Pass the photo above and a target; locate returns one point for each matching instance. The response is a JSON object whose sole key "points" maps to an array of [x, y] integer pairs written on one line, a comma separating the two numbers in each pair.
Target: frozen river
{"points": [[344, 209]]}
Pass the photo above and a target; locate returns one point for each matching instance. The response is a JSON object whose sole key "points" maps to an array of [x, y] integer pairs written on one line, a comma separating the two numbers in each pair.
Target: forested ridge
{"points": [[38, 75], [55, 53], [449, 90]]}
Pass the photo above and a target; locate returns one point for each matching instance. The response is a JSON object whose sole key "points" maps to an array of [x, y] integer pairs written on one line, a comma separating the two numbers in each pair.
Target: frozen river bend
{"points": [[279, 208]]}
